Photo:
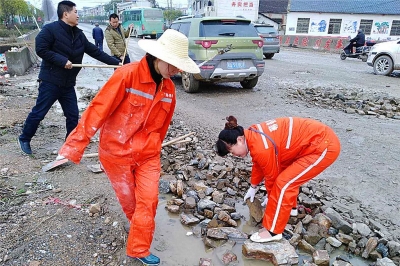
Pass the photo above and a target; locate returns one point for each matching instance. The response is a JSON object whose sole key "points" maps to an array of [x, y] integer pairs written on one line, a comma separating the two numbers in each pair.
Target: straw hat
{"points": [[172, 47]]}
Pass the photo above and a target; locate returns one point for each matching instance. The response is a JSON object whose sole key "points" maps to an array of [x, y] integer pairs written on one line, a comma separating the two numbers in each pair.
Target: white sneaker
{"points": [[257, 238], [294, 212]]}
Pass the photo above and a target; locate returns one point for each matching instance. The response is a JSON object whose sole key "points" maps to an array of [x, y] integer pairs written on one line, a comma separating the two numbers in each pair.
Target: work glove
{"points": [[250, 194], [59, 157], [264, 203]]}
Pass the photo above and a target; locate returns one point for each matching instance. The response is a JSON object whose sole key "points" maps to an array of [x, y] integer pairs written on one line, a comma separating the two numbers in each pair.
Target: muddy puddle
{"points": [[176, 243]]}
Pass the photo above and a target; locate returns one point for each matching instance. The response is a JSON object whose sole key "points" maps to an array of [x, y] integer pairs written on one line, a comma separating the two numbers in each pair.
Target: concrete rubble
{"points": [[206, 188], [350, 100]]}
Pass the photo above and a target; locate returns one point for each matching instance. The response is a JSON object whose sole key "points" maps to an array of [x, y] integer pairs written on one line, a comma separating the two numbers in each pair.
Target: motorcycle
{"points": [[360, 52]]}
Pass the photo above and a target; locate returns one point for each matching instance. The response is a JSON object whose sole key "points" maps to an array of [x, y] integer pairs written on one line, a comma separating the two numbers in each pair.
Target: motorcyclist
{"points": [[357, 41]]}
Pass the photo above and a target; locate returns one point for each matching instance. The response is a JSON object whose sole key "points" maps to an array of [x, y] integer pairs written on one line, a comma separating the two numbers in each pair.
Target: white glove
{"points": [[59, 157], [264, 203], [250, 194]]}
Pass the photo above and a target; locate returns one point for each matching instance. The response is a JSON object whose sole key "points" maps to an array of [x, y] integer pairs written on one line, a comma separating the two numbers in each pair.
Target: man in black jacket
{"points": [[357, 41], [60, 44]]}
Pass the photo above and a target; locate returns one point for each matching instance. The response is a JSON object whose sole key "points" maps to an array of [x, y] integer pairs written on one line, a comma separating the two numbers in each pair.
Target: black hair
{"points": [[228, 136], [150, 58], [113, 15], [64, 6], [150, 62]]}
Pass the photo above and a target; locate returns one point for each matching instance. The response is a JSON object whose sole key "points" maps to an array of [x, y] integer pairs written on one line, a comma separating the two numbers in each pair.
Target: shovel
{"points": [[56, 163]]}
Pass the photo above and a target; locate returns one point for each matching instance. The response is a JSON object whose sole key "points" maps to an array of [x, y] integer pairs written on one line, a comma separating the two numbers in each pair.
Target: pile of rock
{"points": [[206, 188], [350, 100]]}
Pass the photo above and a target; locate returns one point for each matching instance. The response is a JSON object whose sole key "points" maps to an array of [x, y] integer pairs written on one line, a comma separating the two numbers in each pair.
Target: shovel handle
{"points": [[126, 44], [92, 155], [96, 66], [176, 139]]}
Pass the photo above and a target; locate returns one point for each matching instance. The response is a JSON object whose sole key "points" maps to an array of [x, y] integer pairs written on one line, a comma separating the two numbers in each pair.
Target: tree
{"points": [[111, 7], [10, 9], [172, 14], [153, 3]]}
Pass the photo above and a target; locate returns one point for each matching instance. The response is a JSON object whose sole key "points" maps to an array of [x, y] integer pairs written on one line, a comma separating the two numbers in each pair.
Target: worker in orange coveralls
{"points": [[286, 153], [133, 111]]}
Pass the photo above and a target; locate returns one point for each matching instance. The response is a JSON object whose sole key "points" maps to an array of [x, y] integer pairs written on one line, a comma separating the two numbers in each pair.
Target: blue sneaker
{"points": [[25, 146], [150, 260]]}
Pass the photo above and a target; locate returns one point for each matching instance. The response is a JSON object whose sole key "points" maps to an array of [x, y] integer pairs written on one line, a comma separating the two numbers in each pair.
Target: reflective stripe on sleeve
{"points": [[262, 136], [289, 139]]}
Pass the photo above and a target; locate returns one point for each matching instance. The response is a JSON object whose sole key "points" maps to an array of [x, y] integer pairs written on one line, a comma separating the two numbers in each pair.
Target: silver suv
{"points": [[271, 39], [226, 50]]}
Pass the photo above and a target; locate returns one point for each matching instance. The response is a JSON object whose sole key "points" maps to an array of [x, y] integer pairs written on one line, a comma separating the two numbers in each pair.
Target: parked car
{"points": [[385, 57], [270, 37], [226, 50]]}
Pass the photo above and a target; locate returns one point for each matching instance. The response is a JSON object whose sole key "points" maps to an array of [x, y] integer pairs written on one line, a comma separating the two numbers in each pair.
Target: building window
{"points": [[302, 25], [366, 25], [334, 26], [395, 30]]}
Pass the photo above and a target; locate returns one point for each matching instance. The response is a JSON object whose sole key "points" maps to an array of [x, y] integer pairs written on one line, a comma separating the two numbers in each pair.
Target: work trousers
{"points": [[349, 48], [127, 60], [282, 195], [136, 187], [99, 44], [48, 95]]}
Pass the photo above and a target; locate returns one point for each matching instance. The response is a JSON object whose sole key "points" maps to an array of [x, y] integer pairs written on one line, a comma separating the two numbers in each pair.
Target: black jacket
{"points": [[57, 43], [97, 33], [359, 39]]}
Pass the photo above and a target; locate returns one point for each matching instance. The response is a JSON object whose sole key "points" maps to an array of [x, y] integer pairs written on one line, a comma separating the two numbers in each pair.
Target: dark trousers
{"points": [[48, 95], [349, 48], [99, 44], [126, 61]]}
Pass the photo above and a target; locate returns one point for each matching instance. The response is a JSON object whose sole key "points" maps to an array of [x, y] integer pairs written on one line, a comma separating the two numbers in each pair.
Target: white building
{"points": [[380, 19], [92, 11], [118, 8], [273, 12], [128, 5], [225, 8]]}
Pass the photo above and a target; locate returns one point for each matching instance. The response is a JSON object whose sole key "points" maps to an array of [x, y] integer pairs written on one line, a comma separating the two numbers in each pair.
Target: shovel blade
{"points": [[54, 164]]}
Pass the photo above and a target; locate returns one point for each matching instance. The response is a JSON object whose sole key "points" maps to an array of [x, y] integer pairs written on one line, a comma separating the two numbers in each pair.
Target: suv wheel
{"points": [[249, 83], [189, 83], [269, 56], [383, 65]]}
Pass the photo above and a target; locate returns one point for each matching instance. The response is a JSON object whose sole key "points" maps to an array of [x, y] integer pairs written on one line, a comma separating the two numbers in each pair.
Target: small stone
{"points": [[94, 208]]}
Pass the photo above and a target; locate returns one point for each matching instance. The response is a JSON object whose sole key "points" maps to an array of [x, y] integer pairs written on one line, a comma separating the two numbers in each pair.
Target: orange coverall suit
{"points": [[286, 153], [134, 120]]}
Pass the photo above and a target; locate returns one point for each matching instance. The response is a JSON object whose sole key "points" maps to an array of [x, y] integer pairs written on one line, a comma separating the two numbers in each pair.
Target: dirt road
{"points": [[46, 221]]}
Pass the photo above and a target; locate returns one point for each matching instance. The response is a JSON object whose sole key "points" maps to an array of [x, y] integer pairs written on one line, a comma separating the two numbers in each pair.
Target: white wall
{"points": [[225, 8], [350, 24]]}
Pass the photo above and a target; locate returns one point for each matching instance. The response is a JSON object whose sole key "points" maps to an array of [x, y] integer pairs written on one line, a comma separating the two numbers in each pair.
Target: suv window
{"points": [[185, 27], [175, 26], [266, 30], [234, 28]]}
